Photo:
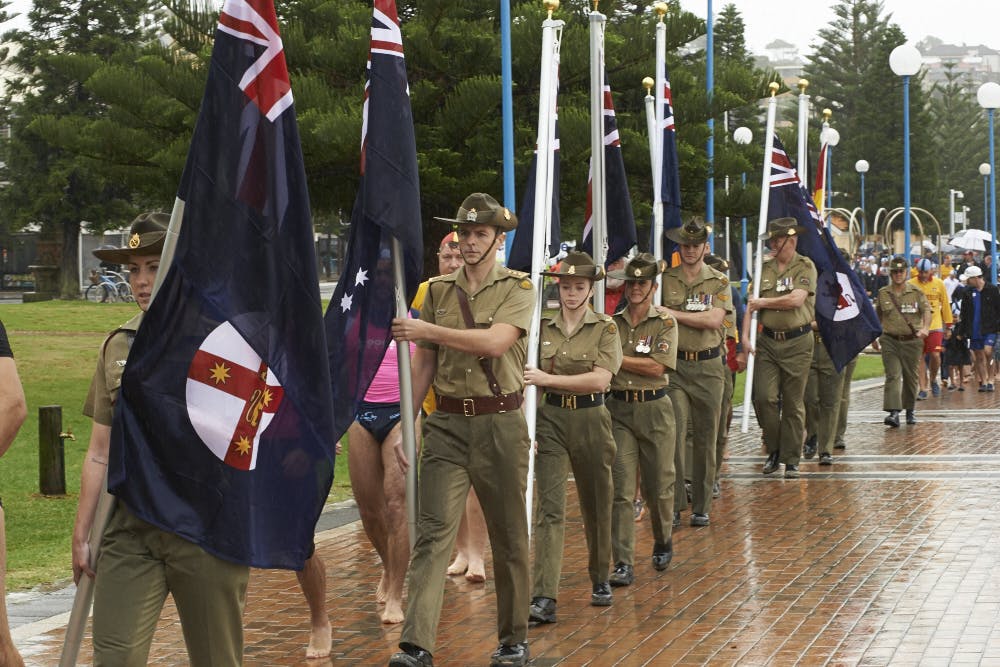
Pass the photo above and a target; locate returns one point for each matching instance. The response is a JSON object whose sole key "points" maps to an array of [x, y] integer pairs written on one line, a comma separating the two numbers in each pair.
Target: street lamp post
{"points": [[989, 99], [984, 171], [832, 138], [952, 194], [861, 166], [905, 62], [743, 136]]}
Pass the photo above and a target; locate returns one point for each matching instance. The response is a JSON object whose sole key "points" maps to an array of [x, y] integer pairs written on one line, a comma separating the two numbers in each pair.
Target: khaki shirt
{"points": [[505, 296], [799, 274], [710, 289], [107, 380], [913, 305], [594, 343], [654, 337]]}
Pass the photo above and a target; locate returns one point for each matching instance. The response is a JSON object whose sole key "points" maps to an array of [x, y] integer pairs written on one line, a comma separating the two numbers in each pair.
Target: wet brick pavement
{"points": [[889, 557]]}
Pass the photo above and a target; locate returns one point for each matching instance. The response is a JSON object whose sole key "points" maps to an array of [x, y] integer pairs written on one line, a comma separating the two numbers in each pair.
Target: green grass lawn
{"points": [[55, 345]]}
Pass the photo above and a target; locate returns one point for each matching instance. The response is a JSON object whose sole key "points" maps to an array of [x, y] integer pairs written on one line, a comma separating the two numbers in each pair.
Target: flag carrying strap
{"points": [[470, 323], [900, 310]]}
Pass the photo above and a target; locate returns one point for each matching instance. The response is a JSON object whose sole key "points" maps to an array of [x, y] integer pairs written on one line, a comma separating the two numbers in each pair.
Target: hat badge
{"points": [[471, 215], [506, 213], [572, 270], [134, 241], [637, 273]]}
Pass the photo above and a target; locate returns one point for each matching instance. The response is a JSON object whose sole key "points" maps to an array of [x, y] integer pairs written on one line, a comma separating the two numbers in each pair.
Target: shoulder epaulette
{"points": [[515, 274], [448, 277]]}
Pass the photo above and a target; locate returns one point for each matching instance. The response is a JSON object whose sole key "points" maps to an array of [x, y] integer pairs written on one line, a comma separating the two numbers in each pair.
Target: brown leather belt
{"points": [[786, 335], [711, 353], [479, 405], [638, 395], [574, 401], [903, 337]]}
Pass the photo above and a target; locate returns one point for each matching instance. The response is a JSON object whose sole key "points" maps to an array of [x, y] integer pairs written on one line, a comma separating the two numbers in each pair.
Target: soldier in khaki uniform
{"points": [[905, 314], [471, 344], [642, 419], [140, 564], [784, 345], [698, 298], [579, 352], [823, 398]]}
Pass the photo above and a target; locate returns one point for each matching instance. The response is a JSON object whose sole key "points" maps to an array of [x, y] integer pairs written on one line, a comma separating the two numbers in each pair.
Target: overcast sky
{"points": [[798, 21]]}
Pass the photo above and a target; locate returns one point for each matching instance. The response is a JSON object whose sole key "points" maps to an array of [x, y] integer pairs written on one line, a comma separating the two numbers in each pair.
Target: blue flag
{"points": [[844, 314], [620, 234], [222, 431], [387, 205], [519, 257], [668, 187]]}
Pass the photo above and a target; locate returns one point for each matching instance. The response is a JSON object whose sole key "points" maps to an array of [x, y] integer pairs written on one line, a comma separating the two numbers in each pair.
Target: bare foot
{"points": [[320, 640], [458, 566], [476, 573], [393, 613], [380, 591]]}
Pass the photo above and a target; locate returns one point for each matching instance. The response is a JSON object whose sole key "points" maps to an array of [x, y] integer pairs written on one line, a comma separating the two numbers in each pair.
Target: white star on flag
{"points": [[361, 278], [346, 303]]}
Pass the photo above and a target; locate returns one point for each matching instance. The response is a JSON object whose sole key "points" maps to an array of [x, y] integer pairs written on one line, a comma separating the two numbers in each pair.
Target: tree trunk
{"points": [[69, 262]]}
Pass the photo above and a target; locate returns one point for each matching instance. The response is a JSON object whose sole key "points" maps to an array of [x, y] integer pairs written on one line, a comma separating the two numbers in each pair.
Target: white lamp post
{"points": [[905, 62], [952, 194], [743, 136], [832, 137], [861, 166], [984, 171], [989, 99]]}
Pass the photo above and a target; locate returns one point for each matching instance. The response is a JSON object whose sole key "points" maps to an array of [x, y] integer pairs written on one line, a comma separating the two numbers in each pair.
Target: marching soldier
{"points": [[580, 350], [698, 298], [905, 315], [642, 419], [471, 343], [784, 350]]}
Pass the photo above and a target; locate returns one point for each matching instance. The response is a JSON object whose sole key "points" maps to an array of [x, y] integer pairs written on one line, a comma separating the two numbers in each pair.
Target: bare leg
{"points": [[476, 538], [922, 372], [461, 562], [364, 463], [9, 657], [312, 580], [397, 557]]}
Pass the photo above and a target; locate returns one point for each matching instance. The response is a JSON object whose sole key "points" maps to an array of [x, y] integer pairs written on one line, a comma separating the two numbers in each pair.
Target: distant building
{"points": [[978, 63]]}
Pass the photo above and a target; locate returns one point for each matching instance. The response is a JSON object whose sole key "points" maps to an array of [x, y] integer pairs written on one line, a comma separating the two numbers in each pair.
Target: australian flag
{"points": [[845, 315], [667, 188], [621, 235], [222, 432], [519, 257], [387, 205]]}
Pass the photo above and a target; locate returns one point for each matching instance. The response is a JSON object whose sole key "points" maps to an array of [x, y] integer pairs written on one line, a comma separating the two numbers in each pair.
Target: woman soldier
{"points": [[580, 351]]}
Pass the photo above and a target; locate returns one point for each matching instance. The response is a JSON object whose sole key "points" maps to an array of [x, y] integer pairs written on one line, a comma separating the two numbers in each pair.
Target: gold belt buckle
{"points": [[569, 401], [638, 396], [468, 407], [779, 335], [690, 356]]}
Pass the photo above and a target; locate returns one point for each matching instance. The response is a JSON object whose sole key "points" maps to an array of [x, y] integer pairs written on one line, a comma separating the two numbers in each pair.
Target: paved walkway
{"points": [[890, 557]]}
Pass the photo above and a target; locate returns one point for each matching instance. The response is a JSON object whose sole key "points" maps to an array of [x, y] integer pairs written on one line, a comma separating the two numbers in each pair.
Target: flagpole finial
{"points": [[826, 115], [803, 84], [648, 82], [596, 2], [661, 9], [774, 87], [551, 6]]}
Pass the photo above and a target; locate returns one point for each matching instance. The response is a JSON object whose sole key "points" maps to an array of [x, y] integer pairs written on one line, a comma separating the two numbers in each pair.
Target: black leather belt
{"points": [[480, 405], [711, 353], [638, 395], [786, 335], [574, 401], [904, 337]]}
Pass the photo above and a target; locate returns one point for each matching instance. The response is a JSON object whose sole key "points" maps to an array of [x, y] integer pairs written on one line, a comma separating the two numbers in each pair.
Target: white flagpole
{"points": [[656, 139], [406, 416], [598, 209], [803, 147], [84, 596], [765, 193], [551, 33]]}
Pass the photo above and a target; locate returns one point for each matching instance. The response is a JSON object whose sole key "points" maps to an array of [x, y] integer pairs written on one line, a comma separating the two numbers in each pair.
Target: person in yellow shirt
{"points": [[937, 296]]}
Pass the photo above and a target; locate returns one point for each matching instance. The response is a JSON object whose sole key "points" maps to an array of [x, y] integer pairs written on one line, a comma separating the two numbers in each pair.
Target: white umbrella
{"points": [[969, 241]]}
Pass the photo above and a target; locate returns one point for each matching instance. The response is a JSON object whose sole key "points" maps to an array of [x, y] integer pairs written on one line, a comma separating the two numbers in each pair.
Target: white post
{"points": [[598, 188], [765, 192], [656, 140]]}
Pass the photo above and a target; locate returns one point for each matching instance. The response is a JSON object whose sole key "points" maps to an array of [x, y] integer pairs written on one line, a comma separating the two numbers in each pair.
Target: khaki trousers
{"points": [[823, 394], [490, 452], [779, 386], [581, 439], [644, 435], [696, 389], [900, 359]]}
